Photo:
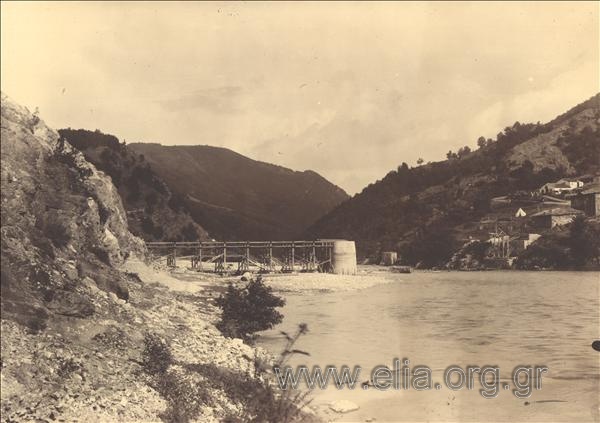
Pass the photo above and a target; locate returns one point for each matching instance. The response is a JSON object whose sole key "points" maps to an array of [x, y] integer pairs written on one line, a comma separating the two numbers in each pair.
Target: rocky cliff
{"points": [[62, 222], [154, 212]]}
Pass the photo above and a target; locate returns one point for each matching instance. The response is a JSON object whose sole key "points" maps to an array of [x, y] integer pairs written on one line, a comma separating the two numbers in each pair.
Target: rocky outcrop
{"points": [[154, 212], [471, 256], [62, 221]]}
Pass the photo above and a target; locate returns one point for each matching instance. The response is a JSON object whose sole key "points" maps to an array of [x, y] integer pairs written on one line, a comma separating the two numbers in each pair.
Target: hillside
{"points": [[426, 212], [154, 213], [234, 197]]}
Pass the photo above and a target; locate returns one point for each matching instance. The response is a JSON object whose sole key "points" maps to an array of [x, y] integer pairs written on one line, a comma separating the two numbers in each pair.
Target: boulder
{"points": [[343, 406], [71, 304]]}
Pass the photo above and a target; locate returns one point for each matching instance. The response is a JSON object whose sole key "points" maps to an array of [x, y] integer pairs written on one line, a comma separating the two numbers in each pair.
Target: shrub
{"points": [[184, 397], [248, 310], [262, 396], [156, 357], [37, 323], [67, 366]]}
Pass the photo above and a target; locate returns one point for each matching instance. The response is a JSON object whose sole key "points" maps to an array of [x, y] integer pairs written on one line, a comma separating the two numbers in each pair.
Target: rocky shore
{"points": [[89, 369]]}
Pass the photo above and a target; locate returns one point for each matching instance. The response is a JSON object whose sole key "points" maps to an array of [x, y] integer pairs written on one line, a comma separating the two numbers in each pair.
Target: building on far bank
{"points": [[561, 186], [555, 217], [587, 200], [523, 242]]}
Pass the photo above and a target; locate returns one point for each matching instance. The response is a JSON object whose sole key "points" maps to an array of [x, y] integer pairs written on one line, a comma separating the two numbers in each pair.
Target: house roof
{"points": [[559, 211], [561, 184], [591, 189], [548, 198]]}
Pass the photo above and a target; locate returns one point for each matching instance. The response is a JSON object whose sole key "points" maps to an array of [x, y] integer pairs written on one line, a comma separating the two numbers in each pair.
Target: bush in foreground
{"points": [[248, 310]]}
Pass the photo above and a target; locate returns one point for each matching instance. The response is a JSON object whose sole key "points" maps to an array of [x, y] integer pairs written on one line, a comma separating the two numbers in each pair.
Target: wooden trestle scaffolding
{"points": [[264, 256]]}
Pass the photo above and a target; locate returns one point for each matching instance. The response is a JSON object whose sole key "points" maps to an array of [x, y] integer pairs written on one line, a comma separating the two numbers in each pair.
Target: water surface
{"points": [[458, 318]]}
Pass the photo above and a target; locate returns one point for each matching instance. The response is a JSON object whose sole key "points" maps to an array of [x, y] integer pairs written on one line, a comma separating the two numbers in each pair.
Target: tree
{"points": [[420, 161], [584, 242], [248, 310], [403, 167], [433, 249], [481, 142], [462, 152]]}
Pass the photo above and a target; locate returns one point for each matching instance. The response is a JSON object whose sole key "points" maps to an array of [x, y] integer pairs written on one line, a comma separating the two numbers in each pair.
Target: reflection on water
{"points": [[474, 318]]}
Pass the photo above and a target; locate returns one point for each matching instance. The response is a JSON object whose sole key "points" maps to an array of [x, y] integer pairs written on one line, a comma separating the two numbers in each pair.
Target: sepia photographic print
{"points": [[280, 212]]}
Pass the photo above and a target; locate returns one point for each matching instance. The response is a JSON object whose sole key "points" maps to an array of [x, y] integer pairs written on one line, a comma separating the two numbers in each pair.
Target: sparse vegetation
{"points": [[38, 321], [67, 366], [187, 387], [577, 247], [184, 396], [156, 356]]}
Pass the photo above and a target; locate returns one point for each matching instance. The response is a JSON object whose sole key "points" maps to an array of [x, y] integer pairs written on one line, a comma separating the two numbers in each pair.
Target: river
{"points": [[500, 318]]}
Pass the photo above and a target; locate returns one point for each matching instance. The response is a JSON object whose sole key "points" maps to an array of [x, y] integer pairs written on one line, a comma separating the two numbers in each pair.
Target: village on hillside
{"points": [[518, 220]]}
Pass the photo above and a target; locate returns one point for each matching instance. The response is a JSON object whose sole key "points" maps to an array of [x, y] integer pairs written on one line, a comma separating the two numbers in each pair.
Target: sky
{"points": [[350, 90]]}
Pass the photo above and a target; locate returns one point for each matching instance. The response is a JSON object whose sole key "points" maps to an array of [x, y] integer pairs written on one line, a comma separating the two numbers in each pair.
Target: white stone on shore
{"points": [[343, 406]]}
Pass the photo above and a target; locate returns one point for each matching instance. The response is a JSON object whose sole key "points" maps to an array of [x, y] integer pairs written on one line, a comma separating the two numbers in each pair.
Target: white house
{"points": [[560, 186]]}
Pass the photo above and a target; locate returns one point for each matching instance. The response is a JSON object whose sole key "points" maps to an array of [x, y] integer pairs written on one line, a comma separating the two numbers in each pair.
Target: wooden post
{"points": [[224, 254], [174, 254], [200, 257], [270, 256], [292, 256]]}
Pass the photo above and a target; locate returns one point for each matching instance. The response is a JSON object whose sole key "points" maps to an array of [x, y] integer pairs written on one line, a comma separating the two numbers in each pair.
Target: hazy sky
{"points": [[349, 90]]}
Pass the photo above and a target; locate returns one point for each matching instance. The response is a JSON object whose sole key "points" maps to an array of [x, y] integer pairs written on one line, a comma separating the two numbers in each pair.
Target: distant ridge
{"points": [[235, 197]]}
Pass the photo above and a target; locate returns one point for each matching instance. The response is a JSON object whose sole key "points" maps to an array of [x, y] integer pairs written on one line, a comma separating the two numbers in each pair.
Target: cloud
{"points": [[215, 100], [350, 90]]}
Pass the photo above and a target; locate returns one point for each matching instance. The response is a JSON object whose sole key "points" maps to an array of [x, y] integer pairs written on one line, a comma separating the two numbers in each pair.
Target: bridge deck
{"points": [[240, 244], [282, 256]]}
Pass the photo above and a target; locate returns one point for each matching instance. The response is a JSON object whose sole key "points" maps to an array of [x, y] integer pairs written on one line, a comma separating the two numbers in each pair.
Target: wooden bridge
{"points": [[242, 256]]}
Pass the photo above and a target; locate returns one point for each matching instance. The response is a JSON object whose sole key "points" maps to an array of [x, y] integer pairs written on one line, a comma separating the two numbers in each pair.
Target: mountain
{"points": [[426, 212], [154, 212], [235, 197]]}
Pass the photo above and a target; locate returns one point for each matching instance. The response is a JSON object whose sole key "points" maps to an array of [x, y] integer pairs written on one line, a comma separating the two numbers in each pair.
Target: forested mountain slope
{"points": [[235, 197], [154, 212], [418, 210]]}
